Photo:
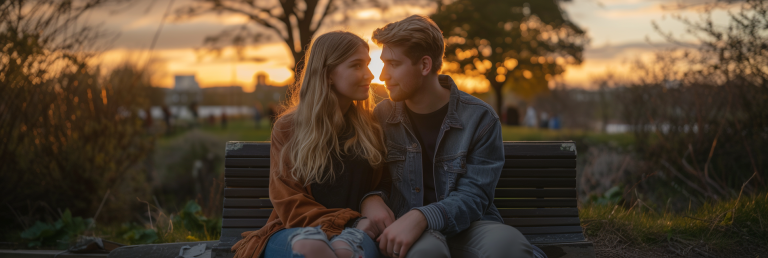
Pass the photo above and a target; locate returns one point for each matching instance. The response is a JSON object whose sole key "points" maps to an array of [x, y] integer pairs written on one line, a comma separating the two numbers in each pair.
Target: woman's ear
{"points": [[426, 65]]}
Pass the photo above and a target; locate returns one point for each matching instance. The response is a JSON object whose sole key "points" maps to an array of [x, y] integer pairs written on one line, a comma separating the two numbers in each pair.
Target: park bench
{"points": [[536, 194]]}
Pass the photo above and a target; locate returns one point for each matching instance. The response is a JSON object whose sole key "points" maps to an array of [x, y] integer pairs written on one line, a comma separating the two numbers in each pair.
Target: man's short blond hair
{"points": [[418, 34]]}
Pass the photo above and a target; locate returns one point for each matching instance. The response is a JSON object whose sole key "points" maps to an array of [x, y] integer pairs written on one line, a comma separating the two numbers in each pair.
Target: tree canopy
{"points": [[522, 45]]}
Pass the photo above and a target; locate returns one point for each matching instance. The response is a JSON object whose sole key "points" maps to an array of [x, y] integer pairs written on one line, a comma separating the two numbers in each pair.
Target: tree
{"points": [[515, 43], [700, 114], [294, 22], [67, 134]]}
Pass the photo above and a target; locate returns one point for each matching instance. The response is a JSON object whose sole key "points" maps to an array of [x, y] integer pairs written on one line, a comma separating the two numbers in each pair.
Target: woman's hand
{"points": [[366, 226], [379, 216]]}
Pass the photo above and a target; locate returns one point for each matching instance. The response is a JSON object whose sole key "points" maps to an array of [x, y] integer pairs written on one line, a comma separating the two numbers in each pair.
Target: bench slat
{"points": [[538, 172], [510, 163], [246, 162], [516, 222], [500, 203], [527, 222], [246, 192], [540, 212], [503, 182], [534, 203], [247, 149], [247, 203], [539, 150], [522, 193], [246, 213], [246, 172], [235, 232], [247, 182], [556, 238], [243, 223], [540, 163], [549, 230], [535, 182]]}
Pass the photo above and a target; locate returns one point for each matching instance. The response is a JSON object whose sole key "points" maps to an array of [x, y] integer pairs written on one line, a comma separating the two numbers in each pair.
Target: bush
{"points": [[700, 116], [59, 234], [67, 133]]}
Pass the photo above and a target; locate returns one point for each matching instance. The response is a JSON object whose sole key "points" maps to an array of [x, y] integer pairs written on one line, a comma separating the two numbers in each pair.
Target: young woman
{"points": [[325, 159]]}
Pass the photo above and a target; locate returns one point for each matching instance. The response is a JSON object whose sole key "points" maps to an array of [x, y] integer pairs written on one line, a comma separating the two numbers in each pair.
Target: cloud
{"points": [[614, 58], [614, 52]]}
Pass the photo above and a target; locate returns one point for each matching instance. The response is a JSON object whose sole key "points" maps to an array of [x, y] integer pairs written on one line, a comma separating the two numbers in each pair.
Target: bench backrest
{"points": [[536, 192]]}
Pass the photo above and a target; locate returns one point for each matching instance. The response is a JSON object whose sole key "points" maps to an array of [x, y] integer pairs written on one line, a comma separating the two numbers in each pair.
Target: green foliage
{"points": [[67, 133], [612, 196], [707, 108], [523, 44], [135, 234], [191, 217], [58, 234]]}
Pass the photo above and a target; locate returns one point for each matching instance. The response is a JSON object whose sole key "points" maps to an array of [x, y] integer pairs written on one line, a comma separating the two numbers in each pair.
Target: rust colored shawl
{"points": [[293, 204]]}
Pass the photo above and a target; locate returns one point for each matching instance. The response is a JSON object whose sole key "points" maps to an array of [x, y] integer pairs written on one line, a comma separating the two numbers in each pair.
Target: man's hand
{"points": [[379, 216], [398, 238]]}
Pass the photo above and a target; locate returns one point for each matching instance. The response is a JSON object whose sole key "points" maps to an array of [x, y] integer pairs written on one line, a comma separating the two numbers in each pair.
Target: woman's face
{"points": [[351, 79]]}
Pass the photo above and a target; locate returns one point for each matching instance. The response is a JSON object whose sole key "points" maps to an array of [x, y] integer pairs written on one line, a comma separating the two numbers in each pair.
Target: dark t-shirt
{"points": [[353, 179], [427, 127]]}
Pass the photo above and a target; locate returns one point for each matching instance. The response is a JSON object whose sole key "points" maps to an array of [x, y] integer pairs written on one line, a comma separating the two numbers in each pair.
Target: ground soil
{"points": [[603, 249]]}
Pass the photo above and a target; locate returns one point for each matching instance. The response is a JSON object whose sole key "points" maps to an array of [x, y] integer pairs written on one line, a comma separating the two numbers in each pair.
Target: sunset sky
{"points": [[620, 30]]}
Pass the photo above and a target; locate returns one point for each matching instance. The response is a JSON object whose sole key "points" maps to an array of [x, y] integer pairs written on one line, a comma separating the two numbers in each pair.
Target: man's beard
{"points": [[401, 95]]}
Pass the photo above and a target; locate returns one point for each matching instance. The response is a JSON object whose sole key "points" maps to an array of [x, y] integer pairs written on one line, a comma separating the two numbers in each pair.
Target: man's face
{"points": [[402, 77]]}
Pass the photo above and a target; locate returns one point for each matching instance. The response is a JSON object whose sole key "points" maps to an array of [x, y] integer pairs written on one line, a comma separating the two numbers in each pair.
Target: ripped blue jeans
{"points": [[281, 242]]}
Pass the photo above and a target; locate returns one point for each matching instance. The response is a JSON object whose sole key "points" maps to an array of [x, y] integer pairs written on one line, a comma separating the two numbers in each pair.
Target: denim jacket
{"points": [[468, 160]]}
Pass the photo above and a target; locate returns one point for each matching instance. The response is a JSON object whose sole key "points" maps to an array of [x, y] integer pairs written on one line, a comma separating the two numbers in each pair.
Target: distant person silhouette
{"points": [[167, 119]]}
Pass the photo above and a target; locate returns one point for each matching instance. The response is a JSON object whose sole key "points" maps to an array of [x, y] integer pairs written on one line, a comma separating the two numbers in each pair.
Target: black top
{"points": [[353, 179], [427, 127]]}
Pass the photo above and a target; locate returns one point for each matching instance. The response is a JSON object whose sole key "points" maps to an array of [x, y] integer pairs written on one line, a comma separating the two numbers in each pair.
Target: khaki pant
{"points": [[483, 239]]}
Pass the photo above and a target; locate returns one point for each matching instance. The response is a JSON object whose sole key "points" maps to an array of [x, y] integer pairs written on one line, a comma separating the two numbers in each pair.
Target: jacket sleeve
{"points": [[383, 189], [475, 189], [293, 201]]}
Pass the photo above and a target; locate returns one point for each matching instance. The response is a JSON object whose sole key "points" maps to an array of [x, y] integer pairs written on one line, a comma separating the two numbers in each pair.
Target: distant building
{"points": [[185, 91], [225, 96], [268, 94]]}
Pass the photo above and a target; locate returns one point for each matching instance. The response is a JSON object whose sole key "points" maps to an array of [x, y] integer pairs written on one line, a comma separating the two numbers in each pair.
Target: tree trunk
{"points": [[499, 98], [298, 64]]}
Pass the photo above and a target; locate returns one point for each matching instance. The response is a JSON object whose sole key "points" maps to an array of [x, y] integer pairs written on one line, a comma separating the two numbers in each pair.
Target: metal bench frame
{"points": [[536, 194]]}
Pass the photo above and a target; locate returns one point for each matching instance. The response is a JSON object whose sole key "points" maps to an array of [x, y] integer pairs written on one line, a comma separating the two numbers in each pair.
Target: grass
{"points": [[246, 130], [515, 133], [722, 228], [241, 130]]}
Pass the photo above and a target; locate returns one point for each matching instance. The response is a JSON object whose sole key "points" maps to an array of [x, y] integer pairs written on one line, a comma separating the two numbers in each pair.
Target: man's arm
{"points": [[373, 206], [475, 189], [473, 195]]}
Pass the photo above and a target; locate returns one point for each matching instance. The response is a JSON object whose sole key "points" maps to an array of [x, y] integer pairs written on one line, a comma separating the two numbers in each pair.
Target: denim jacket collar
{"points": [[451, 118]]}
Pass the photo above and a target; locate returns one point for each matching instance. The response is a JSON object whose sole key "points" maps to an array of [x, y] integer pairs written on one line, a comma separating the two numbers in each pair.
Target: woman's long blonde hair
{"points": [[316, 120]]}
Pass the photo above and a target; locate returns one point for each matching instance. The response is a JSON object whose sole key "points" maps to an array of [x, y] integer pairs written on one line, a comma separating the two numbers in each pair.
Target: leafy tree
{"points": [[294, 22], [516, 43]]}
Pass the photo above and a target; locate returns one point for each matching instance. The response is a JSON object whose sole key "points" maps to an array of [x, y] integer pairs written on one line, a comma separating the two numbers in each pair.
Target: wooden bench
{"points": [[536, 194]]}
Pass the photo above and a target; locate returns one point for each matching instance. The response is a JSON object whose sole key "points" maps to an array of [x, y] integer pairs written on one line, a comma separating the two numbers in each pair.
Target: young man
{"points": [[444, 154]]}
